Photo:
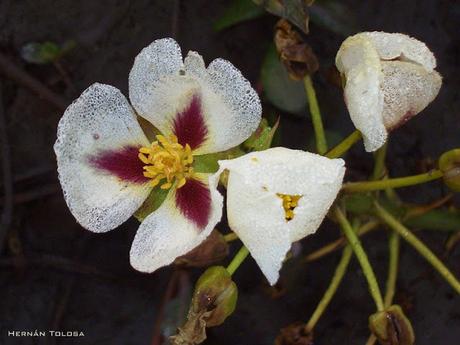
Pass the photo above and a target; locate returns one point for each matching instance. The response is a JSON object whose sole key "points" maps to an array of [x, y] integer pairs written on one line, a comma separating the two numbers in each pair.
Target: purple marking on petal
{"points": [[189, 125], [123, 163], [194, 201]]}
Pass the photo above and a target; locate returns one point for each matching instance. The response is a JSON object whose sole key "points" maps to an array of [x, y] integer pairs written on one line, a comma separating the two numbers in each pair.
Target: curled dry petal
{"points": [[276, 197], [390, 77]]}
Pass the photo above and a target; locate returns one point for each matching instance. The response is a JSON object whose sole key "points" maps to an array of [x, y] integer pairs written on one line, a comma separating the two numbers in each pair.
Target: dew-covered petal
{"points": [[183, 221], [397, 46], [243, 109], [358, 60], [229, 108], [255, 209], [151, 69], [96, 148], [408, 88]]}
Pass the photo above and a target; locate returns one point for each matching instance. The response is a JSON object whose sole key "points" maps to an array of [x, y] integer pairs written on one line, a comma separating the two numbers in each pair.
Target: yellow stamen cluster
{"points": [[167, 160], [290, 202]]}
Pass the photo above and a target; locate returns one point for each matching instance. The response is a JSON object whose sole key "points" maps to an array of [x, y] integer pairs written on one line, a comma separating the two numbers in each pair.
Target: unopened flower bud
{"points": [[214, 299], [215, 292], [449, 164], [392, 327]]}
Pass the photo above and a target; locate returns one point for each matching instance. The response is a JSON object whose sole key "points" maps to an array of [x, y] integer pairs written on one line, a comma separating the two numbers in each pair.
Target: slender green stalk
{"points": [[237, 260], [379, 165], [321, 143], [338, 243], [333, 285], [368, 186], [393, 245], [361, 255], [345, 145], [423, 250]]}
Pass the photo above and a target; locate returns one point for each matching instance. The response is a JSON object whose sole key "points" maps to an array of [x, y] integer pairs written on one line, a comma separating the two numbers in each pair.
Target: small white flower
{"points": [[107, 167], [276, 197], [390, 77]]}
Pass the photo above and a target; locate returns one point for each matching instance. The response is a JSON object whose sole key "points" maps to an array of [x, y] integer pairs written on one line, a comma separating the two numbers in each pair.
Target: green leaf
{"points": [[334, 16], [438, 219], [283, 92], [152, 203], [238, 11]]}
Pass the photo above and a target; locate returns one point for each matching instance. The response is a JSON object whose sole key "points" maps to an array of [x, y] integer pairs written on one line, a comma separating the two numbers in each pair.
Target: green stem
{"points": [[361, 255], [345, 145], [418, 245], [379, 165], [321, 143], [392, 268], [368, 186], [333, 285], [238, 260]]}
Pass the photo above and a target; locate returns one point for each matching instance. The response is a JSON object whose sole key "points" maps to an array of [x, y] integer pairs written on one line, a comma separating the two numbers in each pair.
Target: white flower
{"points": [[390, 77], [276, 197], [107, 166]]}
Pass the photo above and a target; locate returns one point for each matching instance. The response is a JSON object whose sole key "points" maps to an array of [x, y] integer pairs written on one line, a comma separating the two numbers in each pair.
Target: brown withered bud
{"points": [[211, 251], [392, 327], [294, 52], [294, 334], [214, 299]]}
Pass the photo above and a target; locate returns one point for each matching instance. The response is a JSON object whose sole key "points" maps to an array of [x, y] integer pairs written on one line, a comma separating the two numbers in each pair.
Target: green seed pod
{"points": [[217, 293], [449, 164], [392, 327]]}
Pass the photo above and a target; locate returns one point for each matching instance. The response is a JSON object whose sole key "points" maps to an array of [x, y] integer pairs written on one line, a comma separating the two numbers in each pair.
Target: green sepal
{"points": [[262, 138], [152, 203], [392, 327]]}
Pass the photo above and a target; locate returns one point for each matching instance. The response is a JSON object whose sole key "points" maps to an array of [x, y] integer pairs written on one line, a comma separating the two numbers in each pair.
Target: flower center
{"points": [[167, 161], [290, 202]]}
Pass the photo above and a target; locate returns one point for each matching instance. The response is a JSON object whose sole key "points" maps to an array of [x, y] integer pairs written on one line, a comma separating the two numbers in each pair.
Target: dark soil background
{"points": [[54, 275]]}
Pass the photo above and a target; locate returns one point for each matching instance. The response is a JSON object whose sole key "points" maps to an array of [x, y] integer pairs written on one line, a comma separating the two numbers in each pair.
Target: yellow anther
{"points": [[290, 202], [167, 162]]}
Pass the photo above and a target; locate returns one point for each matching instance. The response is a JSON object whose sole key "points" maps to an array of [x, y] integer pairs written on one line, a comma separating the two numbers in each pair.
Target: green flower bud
{"points": [[217, 293], [214, 299], [392, 327], [449, 164]]}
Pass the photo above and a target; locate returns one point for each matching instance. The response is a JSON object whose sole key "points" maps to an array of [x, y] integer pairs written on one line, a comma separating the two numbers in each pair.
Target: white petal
{"points": [[100, 119], [167, 234], [243, 104], [359, 61], [392, 46], [161, 87], [151, 68], [255, 211], [408, 89]]}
